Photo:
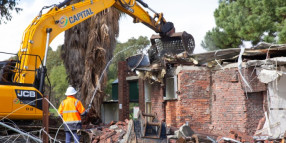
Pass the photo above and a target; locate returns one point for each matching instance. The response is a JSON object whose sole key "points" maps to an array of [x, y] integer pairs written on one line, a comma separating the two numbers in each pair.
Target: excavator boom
{"points": [[22, 80], [46, 27]]}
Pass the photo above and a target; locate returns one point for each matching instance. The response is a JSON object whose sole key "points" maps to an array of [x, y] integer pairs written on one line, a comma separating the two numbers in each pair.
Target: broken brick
{"points": [[112, 123]]}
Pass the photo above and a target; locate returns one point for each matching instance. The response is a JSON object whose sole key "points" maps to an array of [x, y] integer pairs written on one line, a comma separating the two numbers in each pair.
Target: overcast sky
{"points": [[192, 16]]}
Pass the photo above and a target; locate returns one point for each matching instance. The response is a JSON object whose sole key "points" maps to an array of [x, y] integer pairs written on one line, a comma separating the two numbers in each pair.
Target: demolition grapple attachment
{"points": [[173, 44]]}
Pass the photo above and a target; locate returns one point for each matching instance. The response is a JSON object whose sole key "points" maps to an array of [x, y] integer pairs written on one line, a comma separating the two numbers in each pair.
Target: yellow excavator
{"points": [[22, 80]]}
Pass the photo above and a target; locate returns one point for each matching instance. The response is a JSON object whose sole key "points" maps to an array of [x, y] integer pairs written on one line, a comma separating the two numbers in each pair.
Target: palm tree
{"points": [[87, 48]]}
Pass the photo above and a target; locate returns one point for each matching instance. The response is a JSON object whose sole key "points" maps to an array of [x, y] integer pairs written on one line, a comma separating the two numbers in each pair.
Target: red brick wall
{"points": [[172, 113], [254, 112], [210, 101], [216, 101], [123, 94], [194, 99], [228, 105], [157, 102], [141, 95], [251, 77], [234, 106]]}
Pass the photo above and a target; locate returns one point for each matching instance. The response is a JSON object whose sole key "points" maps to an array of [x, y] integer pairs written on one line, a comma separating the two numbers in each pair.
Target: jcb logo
{"points": [[25, 93]]}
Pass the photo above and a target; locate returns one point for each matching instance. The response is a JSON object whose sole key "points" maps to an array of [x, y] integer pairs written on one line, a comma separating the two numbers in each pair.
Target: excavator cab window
{"points": [[7, 69], [10, 70]]}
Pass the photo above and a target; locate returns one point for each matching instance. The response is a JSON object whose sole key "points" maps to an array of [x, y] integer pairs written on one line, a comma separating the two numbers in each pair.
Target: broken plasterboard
{"points": [[276, 99], [267, 76]]}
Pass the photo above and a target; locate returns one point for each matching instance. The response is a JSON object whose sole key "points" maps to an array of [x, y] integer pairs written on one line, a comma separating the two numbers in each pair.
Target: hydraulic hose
{"points": [[63, 3]]}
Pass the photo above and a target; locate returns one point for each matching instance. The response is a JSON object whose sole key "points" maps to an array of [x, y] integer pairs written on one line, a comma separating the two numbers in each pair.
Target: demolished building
{"points": [[213, 92]]}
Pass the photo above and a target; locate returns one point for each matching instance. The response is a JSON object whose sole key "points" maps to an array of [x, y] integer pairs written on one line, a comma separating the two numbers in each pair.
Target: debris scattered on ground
{"points": [[236, 136], [113, 132], [142, 130]]}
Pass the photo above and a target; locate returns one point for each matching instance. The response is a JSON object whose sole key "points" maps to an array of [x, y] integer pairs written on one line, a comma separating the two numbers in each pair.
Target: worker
{"points": [[71, 110]]}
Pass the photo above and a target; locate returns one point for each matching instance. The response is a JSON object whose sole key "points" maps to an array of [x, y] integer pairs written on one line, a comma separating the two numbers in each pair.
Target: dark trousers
{"points": [[69, 136]]}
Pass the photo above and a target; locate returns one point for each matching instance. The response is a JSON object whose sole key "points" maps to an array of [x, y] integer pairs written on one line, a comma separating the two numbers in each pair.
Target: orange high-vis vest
{"points": [[71, 109]]}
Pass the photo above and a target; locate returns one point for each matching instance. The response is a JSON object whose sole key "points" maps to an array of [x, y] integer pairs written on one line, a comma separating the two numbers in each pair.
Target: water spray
{"points": [[98, 84]]}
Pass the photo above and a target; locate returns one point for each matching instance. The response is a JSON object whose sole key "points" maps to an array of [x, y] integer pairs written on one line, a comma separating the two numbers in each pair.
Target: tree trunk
{"points": [[87, 48]]}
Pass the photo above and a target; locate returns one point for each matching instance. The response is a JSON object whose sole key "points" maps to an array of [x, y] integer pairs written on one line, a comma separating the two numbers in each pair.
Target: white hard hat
{"points": [[70, 91]]}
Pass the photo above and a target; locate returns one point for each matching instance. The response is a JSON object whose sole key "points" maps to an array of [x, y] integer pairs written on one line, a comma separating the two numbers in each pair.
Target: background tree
{"points": [[59, 83], [57, 76], [6, 7], [247, 20], [87, 48]]}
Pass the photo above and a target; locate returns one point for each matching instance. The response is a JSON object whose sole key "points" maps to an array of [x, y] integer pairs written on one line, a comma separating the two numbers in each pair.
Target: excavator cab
{"points": [[18, 100], [8, 68], [7, 71]]}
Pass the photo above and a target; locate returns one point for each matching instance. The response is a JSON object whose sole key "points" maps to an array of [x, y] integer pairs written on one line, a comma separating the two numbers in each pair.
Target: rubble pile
{"points": [[111, 133]]}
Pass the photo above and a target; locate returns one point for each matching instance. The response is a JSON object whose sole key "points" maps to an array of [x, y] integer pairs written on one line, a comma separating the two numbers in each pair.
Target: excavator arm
{"points": [[156, 23], [22, 80], [45, 27]]}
